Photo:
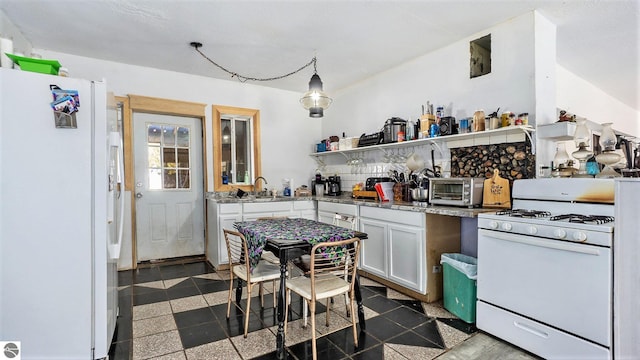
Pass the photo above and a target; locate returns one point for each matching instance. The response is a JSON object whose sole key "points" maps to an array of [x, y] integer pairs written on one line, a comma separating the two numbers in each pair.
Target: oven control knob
{"points": [[579, 236], [533, 230], [506, 226], [560, 233], [493, 224]]}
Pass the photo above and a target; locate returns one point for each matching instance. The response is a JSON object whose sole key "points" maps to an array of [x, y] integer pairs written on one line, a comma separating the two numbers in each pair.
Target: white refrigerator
{"points": [[59, 223]]}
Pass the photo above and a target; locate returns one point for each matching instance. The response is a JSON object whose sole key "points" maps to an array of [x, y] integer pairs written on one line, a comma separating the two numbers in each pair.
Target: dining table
{"points": [[288, 239]]}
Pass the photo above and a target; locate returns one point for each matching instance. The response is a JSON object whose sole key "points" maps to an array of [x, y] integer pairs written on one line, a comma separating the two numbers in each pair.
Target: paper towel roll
{"points": [[6, 46]]}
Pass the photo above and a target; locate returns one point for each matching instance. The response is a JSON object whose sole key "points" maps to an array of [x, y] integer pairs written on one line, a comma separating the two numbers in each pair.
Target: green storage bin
{"points": [[460, 292], [42, 66]]}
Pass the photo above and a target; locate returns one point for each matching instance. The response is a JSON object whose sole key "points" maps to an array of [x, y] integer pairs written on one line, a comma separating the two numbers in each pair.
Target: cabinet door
{"points": [[407, 256], [373, 251], [326, 217], [226, 222]]}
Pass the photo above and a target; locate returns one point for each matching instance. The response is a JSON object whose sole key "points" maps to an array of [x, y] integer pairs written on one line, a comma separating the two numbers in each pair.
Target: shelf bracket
{"points": [[319, 161], [527, 133]]}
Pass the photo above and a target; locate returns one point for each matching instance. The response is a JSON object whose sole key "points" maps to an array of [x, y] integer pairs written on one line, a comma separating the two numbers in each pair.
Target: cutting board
{"points": [[497, 193]]}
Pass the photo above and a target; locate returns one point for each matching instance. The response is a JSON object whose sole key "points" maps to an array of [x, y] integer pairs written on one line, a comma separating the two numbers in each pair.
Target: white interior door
{"points": [[168, 186]]}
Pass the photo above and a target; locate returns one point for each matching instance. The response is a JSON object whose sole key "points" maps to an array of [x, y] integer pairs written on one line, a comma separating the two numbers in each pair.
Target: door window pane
{"points": [[169, 157], [169, 135], [155, 179], [154, 133], [169, 164], [184, 179], [154, 156], [169, 178], [183, 158], [183, 137]]}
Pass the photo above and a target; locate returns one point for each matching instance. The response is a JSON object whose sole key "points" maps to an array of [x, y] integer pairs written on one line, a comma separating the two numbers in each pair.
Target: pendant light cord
{"points": [[242, 78]]}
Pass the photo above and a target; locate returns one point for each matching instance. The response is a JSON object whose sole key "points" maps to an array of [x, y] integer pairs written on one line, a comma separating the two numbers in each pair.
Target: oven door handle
{"points": [[541, 242]]}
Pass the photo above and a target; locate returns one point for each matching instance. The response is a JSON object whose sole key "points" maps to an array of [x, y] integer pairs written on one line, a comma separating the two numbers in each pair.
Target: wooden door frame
{"points": [[145, 104]]}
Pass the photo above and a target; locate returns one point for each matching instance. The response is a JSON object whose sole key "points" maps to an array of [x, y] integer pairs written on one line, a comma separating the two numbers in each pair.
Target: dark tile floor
{"points": [[178, 311]]}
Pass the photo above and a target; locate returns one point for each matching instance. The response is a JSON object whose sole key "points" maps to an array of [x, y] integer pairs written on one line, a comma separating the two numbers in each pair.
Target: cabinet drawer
{"points": [[331, 207], [265, 207], [230, 208], [397, 216]]}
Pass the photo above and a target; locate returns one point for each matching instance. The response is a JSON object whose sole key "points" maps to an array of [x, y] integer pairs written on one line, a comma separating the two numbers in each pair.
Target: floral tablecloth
{"points": [[258, 232]]}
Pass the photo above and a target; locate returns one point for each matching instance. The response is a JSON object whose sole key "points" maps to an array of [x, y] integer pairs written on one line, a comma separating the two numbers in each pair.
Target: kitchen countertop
{"points": [[347, 199]]}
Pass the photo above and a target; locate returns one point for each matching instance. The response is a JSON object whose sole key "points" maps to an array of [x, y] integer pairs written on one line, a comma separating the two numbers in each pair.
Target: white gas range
{"points": [[545, 268]]}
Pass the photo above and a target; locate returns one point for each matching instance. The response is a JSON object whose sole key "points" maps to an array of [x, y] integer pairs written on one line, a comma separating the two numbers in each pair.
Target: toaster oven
{"points": [[456, 191]]}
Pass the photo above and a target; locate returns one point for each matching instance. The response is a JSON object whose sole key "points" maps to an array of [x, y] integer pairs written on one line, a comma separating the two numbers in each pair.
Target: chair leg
{"points": [[328, 311], [230, 296], [346, 304], [261, 292], [312, 308], [305, 314], [353, 322], [247, 310]]}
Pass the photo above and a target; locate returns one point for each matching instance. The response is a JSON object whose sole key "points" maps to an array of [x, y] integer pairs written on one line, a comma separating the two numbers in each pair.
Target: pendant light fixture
{"points": [[315, 100]]}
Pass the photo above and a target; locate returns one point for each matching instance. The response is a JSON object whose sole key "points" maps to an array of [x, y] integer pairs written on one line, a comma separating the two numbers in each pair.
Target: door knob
{"points": [[139, 195]]}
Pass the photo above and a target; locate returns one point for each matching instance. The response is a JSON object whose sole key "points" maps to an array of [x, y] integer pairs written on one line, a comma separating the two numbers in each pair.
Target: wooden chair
{"points": [[328, 276], [238, 263], [345, 221]]}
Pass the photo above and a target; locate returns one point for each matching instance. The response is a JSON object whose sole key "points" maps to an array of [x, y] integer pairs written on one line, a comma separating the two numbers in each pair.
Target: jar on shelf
{"points": [[478, 121], [523, 119]]}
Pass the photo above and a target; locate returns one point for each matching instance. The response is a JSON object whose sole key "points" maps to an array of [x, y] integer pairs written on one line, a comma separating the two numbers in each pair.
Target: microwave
{"points": [[456, 191]]}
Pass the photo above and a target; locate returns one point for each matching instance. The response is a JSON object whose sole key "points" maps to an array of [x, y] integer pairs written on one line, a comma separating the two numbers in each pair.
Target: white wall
{"points": [[8, 30], [578, 96], [442, 77], [285, 125]]}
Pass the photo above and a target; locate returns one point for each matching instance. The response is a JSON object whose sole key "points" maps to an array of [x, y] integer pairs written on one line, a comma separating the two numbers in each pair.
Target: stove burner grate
{"points": [[524, 213], [583, 219]]}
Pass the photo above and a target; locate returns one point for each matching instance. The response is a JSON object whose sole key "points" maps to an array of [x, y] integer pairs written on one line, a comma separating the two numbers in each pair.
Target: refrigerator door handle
{"points": [[115, 140]]}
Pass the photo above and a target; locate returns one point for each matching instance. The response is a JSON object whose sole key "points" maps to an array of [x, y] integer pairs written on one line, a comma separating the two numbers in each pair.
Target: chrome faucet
{"points": [[255, 189]]}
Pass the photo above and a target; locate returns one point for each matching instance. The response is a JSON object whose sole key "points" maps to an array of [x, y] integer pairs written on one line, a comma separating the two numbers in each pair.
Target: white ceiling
{"points": [[597, 39]]}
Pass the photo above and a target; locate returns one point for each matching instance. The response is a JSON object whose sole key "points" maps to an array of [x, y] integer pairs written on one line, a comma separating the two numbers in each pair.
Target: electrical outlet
{"points": [[437, 269]]}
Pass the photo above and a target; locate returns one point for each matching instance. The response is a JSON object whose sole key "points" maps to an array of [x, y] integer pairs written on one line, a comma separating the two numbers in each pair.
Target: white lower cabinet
{"points": [[219, 217], [395, 246], [222, 216], [327, 213], [404, 247], [373, 253]]}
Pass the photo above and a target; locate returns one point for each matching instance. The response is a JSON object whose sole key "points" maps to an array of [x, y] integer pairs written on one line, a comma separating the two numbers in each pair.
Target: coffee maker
{"points": [[333, 186]]}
